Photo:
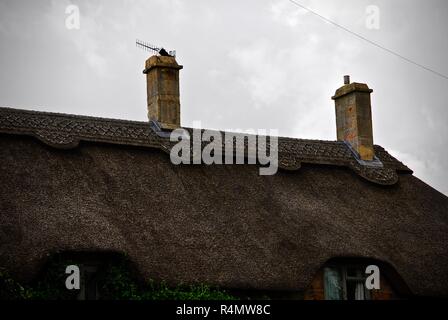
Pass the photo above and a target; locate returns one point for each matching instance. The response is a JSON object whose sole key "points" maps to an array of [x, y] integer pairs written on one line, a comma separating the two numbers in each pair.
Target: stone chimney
{"points": [[162, 82], [354, 117]]}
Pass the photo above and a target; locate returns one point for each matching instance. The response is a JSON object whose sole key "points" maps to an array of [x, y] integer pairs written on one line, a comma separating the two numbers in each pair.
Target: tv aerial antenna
{"points": [[152, 48]]}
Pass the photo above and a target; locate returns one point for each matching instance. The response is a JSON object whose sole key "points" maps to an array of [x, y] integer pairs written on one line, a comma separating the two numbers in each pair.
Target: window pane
{"points": [[352, 272], [359, 291], [332, 284], [355, 290], [351, 287]]}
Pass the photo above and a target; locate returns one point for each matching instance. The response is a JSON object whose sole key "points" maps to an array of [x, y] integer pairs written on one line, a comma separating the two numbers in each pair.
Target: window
{"points": [[345, 283], [89, 287]]}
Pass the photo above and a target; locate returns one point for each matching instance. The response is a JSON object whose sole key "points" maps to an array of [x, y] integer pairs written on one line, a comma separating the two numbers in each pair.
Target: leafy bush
{"points": [[9, 288], [51, 283], [116, 281]]}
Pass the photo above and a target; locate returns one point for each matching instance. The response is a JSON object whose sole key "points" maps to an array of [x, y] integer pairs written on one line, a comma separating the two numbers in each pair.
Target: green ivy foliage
{"points": [[117, 281], [51, 283], [9, 288]]}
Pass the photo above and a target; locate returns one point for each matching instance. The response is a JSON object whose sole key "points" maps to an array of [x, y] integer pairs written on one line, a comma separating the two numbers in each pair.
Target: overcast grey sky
{"points": [[247, 64]]}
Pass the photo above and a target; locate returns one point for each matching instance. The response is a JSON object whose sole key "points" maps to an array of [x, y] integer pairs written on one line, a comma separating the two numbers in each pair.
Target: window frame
{"points": [[342, 270]]}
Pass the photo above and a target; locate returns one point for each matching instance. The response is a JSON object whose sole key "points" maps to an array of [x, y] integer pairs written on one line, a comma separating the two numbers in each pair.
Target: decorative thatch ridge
{"points": [[66, 131]]}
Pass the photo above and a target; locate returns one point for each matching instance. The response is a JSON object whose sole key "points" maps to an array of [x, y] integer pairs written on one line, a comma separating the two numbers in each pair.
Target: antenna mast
{"points": [[152, 48]]}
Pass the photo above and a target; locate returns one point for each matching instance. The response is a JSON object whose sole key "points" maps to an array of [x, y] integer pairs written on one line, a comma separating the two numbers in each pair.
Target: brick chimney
{"points": [[354, 117], [162, 82]]}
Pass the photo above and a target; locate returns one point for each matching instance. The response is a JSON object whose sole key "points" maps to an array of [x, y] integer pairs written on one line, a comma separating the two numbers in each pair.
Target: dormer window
{"points": [[345, 279], [345, 283]]}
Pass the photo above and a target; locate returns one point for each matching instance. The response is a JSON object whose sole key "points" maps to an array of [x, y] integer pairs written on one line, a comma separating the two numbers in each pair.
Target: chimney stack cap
{"points": [[347, 79], [350, 88]]}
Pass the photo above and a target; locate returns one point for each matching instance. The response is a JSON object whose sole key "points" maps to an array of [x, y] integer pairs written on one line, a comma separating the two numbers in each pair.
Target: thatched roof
{"points": [[102, 184]]}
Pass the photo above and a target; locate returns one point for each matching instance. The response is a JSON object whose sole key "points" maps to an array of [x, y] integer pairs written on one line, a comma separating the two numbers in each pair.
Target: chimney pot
{"points": [[346, 79]]}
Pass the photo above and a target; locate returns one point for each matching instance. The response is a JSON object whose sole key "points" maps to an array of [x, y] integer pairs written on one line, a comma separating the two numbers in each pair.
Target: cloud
{"points": [[265, 84], [259, 64], [428, 169], [284, 13]]}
